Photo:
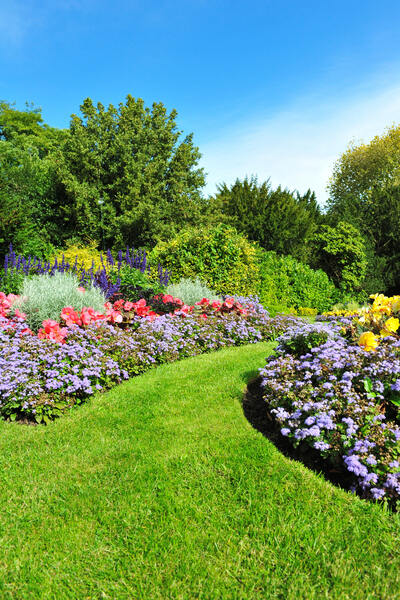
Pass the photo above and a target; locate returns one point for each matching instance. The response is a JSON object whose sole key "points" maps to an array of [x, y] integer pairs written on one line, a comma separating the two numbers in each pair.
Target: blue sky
{"points": [[272, 88]]}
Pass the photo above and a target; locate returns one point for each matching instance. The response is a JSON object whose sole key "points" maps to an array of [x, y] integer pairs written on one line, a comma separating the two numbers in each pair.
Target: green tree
{"points": [[277, 219], [28, 183], [26, 129], [365, 191], [340, 252], [364, 169], [127, 176], [26, 187]]}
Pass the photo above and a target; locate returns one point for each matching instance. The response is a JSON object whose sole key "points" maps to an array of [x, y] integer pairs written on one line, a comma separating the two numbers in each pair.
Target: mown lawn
{"points": [[161, 489]]}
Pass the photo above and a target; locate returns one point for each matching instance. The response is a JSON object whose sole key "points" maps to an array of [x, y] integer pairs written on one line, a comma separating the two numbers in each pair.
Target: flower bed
{"points": [[341, 399], [43, 375]]}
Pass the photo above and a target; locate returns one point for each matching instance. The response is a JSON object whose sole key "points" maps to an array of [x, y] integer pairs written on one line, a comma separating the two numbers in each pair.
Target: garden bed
{"points": [[260, 417], [338, 395]]}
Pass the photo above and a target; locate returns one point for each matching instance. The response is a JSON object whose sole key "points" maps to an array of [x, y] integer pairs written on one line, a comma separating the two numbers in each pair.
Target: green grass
{"points": [[161, 489]]}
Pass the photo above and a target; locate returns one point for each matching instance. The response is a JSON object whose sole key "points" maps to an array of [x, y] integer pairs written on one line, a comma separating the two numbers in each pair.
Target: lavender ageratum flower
{"points": [[377, 493], [395, 387], [319, 445], [354, 465], [323, 387]]}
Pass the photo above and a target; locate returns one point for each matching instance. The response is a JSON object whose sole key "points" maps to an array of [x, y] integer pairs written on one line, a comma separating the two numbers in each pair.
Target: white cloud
{"points": [[298, 146]]}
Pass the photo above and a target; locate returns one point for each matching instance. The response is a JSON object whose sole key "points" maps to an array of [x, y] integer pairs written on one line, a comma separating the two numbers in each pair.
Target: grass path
{"points": [[161, 489]]}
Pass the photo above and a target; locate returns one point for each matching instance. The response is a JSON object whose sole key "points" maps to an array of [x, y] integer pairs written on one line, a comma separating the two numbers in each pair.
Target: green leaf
{"points": [[368, 385]]}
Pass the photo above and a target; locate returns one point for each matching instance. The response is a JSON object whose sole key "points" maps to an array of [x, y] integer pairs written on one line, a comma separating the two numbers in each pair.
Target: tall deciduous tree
{"points": [[27, 179], [128, 177], [26, 129], [365, 191]]}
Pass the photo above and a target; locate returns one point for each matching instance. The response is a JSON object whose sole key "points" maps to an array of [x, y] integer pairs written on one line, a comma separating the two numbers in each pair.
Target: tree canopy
{"points": [[277, 219], [365, 191], [126, 170], [123, 175], [340, 252]]}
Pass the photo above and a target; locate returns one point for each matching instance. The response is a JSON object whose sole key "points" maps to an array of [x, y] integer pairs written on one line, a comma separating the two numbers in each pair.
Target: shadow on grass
{"points": [[256, 412], [249, 376]]}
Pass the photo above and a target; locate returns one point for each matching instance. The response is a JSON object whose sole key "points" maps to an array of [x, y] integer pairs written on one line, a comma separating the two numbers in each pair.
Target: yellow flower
{"points": [[396, 304], [391, 326], [368, 341]]}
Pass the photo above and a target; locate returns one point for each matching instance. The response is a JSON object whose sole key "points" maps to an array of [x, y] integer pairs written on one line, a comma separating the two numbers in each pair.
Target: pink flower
{"points": [[70, 316], [51, 330], [114, 316], [118, 304], [86, 317], [229, 302], [203, 302], [140, 303]]}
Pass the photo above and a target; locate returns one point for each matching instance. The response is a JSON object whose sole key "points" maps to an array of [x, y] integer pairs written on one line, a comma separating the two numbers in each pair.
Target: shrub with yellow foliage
{"points": [[85, 256]]}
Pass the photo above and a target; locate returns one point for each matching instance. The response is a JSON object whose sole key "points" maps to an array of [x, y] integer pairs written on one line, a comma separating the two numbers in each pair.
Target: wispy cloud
{"points": [[298, 146]]}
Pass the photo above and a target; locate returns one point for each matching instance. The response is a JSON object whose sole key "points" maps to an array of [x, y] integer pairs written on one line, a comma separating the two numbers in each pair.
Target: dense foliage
{"points": [[364, 191], [228, 262], [277, 219], [120, 175], [340, 252], [287, 283], [126, 175], [221, 257]]}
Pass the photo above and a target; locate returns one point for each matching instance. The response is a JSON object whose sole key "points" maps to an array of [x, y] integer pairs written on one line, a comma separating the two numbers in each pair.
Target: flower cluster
{"points": [[41, 378], [51, 330], [6, 303], [134, 259], [342, 401], [332, 314], [378, 321]]}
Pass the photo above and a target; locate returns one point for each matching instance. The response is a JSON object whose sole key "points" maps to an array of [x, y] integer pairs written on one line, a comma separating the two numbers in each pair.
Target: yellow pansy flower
{"points": [[396, 304], [392, 324], [390, 327], [368, 341]]}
